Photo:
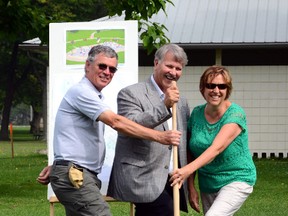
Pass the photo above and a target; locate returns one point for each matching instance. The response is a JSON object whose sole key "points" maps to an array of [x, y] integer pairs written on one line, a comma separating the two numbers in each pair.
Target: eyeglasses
{"points": [[104, 67], [213, 86]]}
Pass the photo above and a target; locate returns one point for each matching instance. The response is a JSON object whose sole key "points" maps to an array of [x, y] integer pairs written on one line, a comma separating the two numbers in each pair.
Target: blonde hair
{"points": [[213, 71]]}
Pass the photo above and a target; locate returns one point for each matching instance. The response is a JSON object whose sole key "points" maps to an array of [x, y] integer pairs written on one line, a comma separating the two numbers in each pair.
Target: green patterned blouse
{"points": [[234, 163]]}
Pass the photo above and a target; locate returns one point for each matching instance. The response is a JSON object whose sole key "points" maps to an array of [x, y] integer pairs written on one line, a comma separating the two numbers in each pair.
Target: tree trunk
{"points": [[10, 90], [5, 115], [12, 84], [36, 128]]}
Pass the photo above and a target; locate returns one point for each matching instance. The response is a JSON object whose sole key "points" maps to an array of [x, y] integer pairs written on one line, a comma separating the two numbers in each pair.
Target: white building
{"points": [[250, 38]]}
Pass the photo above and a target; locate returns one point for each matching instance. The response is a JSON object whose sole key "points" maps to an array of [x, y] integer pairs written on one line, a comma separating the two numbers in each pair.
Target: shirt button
{"points": [[166, 167], [170, 147]]}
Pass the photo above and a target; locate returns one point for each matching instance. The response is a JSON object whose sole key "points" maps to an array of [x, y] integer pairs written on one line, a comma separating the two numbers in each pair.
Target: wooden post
{"points": [[218, 60], [11, 140], [132, 213], [52, 200]]}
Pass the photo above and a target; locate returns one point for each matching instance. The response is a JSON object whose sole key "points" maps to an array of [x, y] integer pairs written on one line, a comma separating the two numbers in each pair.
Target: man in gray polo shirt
{"points": [[79, 146]]}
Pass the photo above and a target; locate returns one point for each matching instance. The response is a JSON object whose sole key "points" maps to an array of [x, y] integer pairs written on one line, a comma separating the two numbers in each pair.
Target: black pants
{"points": [[163, 205]]}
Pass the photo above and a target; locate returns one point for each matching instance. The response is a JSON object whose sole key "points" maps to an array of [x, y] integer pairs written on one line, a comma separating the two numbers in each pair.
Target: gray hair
{"points": [[177, 51], [101, 49]]}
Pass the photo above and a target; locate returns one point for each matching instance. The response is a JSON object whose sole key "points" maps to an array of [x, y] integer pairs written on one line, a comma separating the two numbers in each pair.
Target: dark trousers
{"points": [[163, 205]]}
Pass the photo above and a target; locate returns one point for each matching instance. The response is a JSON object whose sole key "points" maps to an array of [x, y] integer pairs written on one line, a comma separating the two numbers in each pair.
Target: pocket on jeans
{"points": [[59, 178]]}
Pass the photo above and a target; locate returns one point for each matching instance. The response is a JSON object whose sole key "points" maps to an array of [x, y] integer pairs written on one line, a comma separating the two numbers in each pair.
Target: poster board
{"points": [[69, 44]]}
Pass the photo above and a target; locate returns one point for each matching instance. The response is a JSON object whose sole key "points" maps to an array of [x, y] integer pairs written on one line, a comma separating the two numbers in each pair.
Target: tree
{"points": [[26, 19]]}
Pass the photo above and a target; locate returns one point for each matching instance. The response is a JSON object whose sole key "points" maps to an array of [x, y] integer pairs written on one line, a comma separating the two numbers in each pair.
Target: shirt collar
{"points": [[100, 95], [160, 92]]}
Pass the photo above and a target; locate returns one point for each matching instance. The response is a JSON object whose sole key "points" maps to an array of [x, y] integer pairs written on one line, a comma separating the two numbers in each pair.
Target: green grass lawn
{"points": [[21, 195]]}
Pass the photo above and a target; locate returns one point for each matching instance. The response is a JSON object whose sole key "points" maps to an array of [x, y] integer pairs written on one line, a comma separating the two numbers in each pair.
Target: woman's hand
{"points": [[178, 176], [194, 198]]}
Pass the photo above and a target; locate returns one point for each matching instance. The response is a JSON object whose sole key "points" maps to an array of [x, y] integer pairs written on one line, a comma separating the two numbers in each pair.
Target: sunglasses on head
{"points": [[213, 86], [104, 67]]}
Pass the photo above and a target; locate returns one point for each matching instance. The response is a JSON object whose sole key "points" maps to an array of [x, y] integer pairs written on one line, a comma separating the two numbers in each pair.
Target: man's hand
{"points": [[172, 95], [43, 177], [170, 137]]}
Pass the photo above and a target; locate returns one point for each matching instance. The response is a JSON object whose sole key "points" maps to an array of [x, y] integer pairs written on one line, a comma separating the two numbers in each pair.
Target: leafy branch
{"points": [[151, 33]]}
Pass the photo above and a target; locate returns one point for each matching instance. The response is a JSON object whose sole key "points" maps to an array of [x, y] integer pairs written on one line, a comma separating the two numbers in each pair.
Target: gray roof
{"points": [[231, 22]]}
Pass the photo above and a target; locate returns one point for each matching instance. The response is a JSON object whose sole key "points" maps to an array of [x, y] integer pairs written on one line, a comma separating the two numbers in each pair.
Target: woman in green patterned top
{"points": [[219, 149]]}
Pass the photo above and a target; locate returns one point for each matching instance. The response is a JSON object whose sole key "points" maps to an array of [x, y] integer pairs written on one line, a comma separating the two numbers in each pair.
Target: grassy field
{"points": [[21, 195]]}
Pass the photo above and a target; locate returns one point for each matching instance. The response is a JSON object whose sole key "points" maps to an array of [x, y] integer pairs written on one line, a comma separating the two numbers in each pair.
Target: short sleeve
{"points": [[237, 115]]}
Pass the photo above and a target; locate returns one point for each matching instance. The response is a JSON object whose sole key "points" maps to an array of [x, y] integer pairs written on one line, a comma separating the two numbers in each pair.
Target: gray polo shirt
{"points": [[78, 137]]}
